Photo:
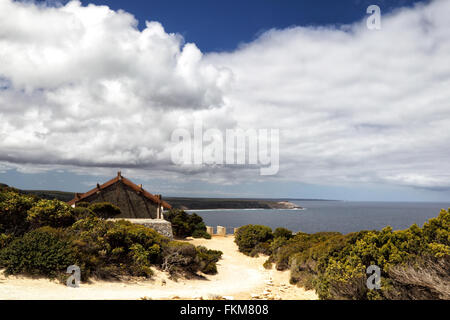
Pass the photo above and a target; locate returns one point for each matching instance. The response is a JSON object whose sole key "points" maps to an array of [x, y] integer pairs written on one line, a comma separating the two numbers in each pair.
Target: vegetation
{"points": [[282, 233], [253, 239], [414, 262], [53, 213], [104, 210], [13, 212], [42, 252], [41, 237], [186, 225]]}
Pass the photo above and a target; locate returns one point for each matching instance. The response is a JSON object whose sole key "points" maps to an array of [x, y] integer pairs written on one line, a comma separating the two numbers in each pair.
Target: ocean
{"points": [[341, 216]]}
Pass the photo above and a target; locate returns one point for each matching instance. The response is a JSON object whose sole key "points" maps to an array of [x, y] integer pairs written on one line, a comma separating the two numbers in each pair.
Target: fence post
{"points": [[221, 231]]}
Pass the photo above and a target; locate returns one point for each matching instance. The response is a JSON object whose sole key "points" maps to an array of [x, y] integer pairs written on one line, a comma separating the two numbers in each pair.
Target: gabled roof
{"points": [[156, 199]]}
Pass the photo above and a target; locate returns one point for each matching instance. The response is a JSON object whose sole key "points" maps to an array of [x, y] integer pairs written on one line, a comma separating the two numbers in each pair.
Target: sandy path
{"points": [[239, 277]]}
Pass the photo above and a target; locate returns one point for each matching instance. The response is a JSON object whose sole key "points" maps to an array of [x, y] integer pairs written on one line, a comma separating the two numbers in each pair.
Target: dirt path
{"points": [[239, 277]]}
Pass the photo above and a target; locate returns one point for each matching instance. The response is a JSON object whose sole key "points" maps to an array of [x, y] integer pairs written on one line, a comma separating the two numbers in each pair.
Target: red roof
{"points": [[129, 183]]}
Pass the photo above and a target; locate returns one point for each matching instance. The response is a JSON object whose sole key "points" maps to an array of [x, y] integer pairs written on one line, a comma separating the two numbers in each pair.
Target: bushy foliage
{"points": [[387, 249], [282, 233], [253, 239], [43, 252], [53, 213], [108, 249], [44, 237], [13, 211], [185, 225], [181, 258], [104, 210], [83, 204], [207, 259], [414, 262], [5, 240], [335, 265]]}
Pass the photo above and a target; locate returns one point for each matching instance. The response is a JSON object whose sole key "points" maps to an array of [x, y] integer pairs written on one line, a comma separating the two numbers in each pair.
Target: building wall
{"points": [[132, 204]]}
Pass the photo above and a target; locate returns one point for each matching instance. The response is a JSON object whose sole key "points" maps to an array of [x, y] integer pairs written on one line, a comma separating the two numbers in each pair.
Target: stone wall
{"points": [[163, 227]]}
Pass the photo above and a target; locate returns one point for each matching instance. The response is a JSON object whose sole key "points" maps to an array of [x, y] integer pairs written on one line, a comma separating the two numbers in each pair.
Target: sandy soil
{"points": [[239, 277]]}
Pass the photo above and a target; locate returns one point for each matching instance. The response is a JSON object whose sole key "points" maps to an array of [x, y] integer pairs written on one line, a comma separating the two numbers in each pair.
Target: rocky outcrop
{"points": [[285, 205]]}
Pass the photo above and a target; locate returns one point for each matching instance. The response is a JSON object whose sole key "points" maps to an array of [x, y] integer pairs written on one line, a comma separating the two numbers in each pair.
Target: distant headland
{"points": [[193, 203]]}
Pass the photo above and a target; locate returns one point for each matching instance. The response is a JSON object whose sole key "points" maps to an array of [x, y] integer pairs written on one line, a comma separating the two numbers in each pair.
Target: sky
{"points": [[93, 87]]}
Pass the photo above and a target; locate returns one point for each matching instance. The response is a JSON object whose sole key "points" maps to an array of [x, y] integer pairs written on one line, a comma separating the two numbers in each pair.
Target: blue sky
{"points": [[223, 25], [363, 115]]}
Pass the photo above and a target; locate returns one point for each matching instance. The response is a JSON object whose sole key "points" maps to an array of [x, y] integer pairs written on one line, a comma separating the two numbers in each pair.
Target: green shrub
{"points": [[82, 213], [251, 239], [201, 234], [207, 259], [282, 233], [42, 252], [65, 236], [5, 240], [53, 213], [180, 258], [13, 212], [185, 225], [83, 204], [104, 210], [335, 265], [109, 249]]}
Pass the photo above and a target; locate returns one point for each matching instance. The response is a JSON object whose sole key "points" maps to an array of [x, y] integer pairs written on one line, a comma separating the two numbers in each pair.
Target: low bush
{"points": [[83, 204], [412, 261], [207, 259], [104, 210], [5, 240], [282, 233], [42, 252], [186, 225], [180, 259], [253, 239], [44, 237], [13, 212], [53, 213], [109, 249]]}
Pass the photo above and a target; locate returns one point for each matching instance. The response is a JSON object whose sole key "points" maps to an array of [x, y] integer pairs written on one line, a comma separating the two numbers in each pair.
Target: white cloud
{"points": [[82, 87], [353, 105]]}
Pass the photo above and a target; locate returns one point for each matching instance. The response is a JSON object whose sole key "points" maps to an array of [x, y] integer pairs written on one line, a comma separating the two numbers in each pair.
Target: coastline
{"points": [[260, 205]]}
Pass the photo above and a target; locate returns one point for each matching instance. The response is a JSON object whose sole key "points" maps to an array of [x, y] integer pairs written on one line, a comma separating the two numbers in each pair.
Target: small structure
{"points": [[134, 202], [210, 230], [221, 231]]}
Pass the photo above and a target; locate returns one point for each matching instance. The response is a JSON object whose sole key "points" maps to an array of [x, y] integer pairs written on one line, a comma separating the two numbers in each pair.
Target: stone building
{"points": [[134, 202]]}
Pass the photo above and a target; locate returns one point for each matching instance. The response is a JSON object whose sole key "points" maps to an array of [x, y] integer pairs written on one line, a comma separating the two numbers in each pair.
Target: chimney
{"points": [[119, 174]]}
